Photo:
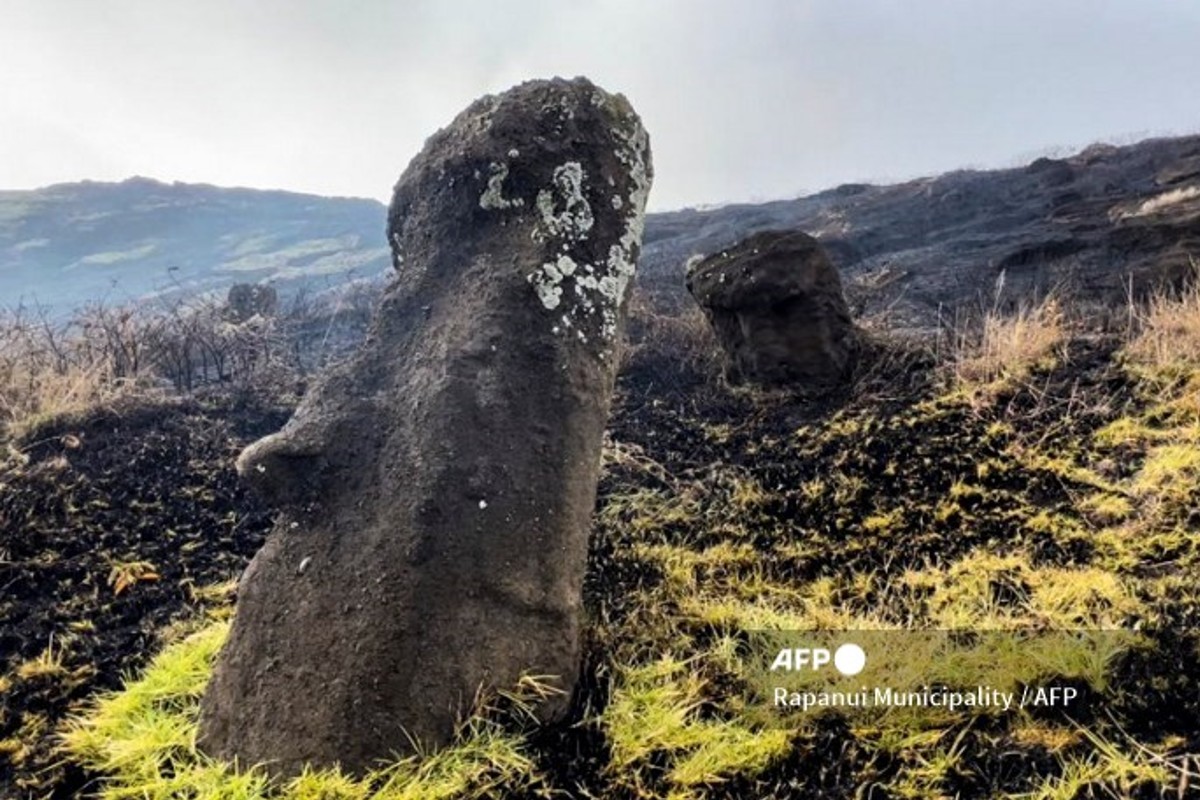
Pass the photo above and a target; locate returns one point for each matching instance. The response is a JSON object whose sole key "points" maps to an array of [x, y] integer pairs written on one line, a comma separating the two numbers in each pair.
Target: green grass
{"points": [[144, 739], [897, 519], [655, 709]]}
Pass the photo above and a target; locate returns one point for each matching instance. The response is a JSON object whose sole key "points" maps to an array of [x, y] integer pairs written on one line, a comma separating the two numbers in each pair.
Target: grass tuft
{"points": [[1008, 348], [143, 738], [656, 708]]}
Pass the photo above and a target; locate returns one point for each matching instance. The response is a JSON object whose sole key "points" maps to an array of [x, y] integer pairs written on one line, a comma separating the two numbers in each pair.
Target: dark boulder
{"points": [[776, 304], [247, 300], [436, 490]]}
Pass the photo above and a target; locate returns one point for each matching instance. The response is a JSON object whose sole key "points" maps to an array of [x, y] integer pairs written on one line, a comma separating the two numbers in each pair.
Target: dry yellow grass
{"points": [[1164, 200], [1008, 347], [51, 367], [48, 369], [29, 396], [1168, 330], [687, 336]]}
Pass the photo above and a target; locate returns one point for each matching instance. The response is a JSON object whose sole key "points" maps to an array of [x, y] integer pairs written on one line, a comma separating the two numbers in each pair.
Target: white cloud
{"points": [[742, 99]]}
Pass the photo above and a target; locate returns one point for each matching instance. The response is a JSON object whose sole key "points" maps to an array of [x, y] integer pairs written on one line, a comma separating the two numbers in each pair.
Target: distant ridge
{"points": [[1090, 222], [73, 243]]}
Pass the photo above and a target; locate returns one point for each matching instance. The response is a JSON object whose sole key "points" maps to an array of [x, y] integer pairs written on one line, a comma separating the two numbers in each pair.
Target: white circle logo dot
{"points": [[850, 659]]}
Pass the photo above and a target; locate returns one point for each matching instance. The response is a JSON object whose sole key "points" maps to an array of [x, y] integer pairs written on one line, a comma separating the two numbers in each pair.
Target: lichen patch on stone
{"points": [[565, 218], [564, 211], [493, 196], [548, 291], [622, 257]]}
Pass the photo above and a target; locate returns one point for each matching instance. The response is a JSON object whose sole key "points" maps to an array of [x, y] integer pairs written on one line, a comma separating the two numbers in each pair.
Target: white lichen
{"points": [[566, 265], [397, 250], [567, 216], [549, 293], [493, 196], [622, 256], [547, 281]]}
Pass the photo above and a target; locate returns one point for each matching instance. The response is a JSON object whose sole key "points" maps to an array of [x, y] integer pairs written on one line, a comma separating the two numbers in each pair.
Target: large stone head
{"points": [[436, 490]]}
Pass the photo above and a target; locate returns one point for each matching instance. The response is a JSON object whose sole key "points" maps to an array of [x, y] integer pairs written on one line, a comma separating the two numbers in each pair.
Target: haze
{"points": [[746, 100]]}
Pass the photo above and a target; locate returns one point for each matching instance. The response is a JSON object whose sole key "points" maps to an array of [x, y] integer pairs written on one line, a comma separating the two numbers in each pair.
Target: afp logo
{"points": [[848, 659]]}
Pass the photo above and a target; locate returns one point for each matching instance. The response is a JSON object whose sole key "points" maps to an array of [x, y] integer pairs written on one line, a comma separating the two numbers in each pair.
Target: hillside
{"points": [[1086, 223], [71, 244]]}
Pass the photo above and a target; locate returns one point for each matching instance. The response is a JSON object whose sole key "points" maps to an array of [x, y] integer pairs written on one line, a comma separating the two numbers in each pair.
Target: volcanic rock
{"points": [[246, 300], [775, 302], [436, 491]]}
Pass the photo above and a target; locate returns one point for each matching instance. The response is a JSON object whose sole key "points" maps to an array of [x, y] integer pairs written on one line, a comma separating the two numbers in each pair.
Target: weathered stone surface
{"points": [[246, 300], [775, 302], [437, 490]]}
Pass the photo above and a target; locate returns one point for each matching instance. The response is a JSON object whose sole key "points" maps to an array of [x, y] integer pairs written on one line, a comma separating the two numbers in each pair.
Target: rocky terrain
{"points": [[1083, 223], [1036, 471]]}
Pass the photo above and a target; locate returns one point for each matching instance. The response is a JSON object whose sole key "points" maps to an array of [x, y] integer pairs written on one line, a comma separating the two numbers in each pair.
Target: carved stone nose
{"points": [[282, 470]]}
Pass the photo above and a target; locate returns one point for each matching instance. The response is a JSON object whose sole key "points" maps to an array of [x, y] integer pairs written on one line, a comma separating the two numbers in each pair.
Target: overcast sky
{"points": [[746, 100]]}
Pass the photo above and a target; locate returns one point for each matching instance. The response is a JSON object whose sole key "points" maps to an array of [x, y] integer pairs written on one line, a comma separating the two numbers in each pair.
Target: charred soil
{"points": [[111, 526], [905, 501]]}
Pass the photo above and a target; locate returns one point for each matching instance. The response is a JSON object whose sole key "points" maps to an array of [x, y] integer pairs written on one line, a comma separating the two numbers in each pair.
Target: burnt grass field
{"points": [[910, 500], [144, 493]]}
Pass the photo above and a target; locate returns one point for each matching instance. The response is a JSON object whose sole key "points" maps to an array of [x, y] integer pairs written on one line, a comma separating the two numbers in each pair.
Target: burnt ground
{"points": [[155, 484], [151, 488], [903, 442]]}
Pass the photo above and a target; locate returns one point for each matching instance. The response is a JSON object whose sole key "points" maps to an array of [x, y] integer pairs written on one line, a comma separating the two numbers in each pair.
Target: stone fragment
{"points": [[776, 305]]}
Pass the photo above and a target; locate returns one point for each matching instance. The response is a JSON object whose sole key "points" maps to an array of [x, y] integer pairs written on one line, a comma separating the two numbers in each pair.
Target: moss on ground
{"points": [[144, 736], [1064, 499]]}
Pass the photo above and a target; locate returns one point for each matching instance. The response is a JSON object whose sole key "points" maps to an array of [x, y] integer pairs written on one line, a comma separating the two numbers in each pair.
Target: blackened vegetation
{"points": [[899, 443], [157, 485], [151, 486]]}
